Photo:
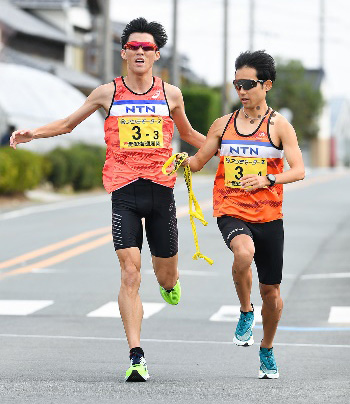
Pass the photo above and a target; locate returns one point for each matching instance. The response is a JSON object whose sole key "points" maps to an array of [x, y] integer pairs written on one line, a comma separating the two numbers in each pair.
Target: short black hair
{"points": [[142, 25], [261, 61]]}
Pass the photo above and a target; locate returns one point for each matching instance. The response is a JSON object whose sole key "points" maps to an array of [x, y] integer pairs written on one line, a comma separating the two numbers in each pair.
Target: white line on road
{"points": [[339, 315], [178, 341], [105, 198], [335, 275], [54, 206], [187, 272], [22, 307], [111, 310], [74, 202], [232, 313], [45, 271]]}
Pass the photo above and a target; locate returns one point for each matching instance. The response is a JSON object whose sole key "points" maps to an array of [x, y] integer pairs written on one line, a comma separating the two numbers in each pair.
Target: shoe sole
{"points": [[245, 343], [263, 375], [136, 377]]}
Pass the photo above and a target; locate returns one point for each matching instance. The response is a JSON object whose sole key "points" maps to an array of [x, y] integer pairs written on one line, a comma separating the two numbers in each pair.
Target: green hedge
{"points": [[202, 105], [80, 166], [21, 170]]}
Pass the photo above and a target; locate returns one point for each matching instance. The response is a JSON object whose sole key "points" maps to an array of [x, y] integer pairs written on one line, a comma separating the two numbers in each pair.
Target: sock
{"points": [[137, 350], [250, 311]]}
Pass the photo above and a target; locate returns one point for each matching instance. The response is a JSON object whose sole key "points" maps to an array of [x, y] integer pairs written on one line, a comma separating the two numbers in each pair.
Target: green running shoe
{"points": [[268, 368], [137, 371], [173, 295]]}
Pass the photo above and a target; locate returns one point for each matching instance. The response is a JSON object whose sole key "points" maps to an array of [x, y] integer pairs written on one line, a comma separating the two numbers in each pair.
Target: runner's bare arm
{"points": [[177, 109], [100, 97], [292, 152], [211, 145], [288, 138]]}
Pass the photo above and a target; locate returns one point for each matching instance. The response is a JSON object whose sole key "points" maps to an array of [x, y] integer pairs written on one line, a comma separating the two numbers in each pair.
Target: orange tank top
{"points": [[248, 154], [138, 134]]}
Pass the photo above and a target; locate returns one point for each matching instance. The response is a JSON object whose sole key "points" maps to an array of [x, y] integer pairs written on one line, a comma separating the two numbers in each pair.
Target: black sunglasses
{"points": [[246, 84]]}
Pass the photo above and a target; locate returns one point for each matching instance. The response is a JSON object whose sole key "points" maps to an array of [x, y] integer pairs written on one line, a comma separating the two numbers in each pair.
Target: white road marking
{"points": [[339, 315], [182, 187], [74, 202], [111, 310], [232, 313], [22, 307], [172, 341], [44, 271], [187, 272], [54, 206], [334, 275]]}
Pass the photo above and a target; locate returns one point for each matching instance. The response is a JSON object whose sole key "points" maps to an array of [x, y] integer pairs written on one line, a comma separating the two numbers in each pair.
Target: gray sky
{"points": [[284, 28]]}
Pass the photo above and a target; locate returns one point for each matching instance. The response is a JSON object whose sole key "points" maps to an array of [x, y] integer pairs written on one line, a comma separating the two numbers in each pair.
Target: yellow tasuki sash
{"points": [[197, 212]]}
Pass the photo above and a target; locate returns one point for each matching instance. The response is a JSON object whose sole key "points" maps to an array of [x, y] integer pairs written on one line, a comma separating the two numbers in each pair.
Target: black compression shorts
{"points": [[154, 202], [268, 241]]}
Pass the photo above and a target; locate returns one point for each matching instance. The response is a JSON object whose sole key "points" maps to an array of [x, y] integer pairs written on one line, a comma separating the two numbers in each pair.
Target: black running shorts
{"points": [[268, 241], [154, 202]]}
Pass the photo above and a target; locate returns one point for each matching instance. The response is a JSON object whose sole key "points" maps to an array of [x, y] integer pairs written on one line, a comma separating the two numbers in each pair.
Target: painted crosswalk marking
{"points": [[339, 314], [22, 307], [232, 313], [111, 310]]}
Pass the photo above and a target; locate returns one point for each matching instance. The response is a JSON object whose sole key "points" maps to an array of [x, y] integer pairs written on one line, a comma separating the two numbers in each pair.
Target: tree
{"points": [[297, 89]]}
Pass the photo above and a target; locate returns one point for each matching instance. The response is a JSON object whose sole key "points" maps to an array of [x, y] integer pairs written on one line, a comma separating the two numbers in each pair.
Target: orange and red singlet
{"points": [[138, 134], [248, 154]]}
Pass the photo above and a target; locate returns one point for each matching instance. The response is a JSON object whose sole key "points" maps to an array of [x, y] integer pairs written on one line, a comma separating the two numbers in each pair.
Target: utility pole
{"points": [[224, 106], [251, 24], [175, 76], [174, 57], [107, 48], [321, 37]]}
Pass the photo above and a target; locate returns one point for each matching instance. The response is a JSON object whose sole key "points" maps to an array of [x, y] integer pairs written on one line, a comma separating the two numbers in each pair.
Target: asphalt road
{"points": [[62, 342]]}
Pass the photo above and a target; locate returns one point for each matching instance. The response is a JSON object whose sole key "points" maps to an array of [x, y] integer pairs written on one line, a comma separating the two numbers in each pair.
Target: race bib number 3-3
{"points": [[237, 167], [140, 132]]}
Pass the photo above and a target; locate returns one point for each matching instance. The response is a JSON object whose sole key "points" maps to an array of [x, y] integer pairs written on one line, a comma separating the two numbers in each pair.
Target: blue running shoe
{"points": [[244, 330], [268, 367]]}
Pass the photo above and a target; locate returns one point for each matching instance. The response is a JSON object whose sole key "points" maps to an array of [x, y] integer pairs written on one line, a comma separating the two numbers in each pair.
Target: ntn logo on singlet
{"points": [[142, 107], [245, 148]]}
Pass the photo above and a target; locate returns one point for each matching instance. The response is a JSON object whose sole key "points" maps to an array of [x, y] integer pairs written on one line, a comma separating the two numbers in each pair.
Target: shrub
{"points": [[60, 174], [21, 170], [202, 108], [80, 166]]}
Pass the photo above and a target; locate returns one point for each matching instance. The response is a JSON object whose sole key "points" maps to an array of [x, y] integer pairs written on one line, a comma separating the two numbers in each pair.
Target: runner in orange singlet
{"points": [[141, 111], [248, 194]]}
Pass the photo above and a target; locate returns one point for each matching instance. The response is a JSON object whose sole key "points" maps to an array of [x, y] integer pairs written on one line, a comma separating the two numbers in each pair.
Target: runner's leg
{"points": [[162, 236], [129, 301], [242, 247], [166, 271], [271, 312]]}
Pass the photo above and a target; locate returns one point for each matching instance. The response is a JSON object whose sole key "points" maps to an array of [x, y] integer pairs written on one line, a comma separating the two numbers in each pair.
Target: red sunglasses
{"points": [[146, 46]]}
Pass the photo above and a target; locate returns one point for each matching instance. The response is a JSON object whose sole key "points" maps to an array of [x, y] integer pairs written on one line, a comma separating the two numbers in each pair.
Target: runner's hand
{"points": [[251, 182], [186, 162], [21, 136]]}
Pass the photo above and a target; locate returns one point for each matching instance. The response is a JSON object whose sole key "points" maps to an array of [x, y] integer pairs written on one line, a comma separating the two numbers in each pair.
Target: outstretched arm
{"points": [[211, 145], [97, 99]]}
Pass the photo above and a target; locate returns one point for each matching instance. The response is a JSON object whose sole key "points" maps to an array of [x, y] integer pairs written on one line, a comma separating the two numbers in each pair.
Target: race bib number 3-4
{"points": [[237, 167], [140, 132]]}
